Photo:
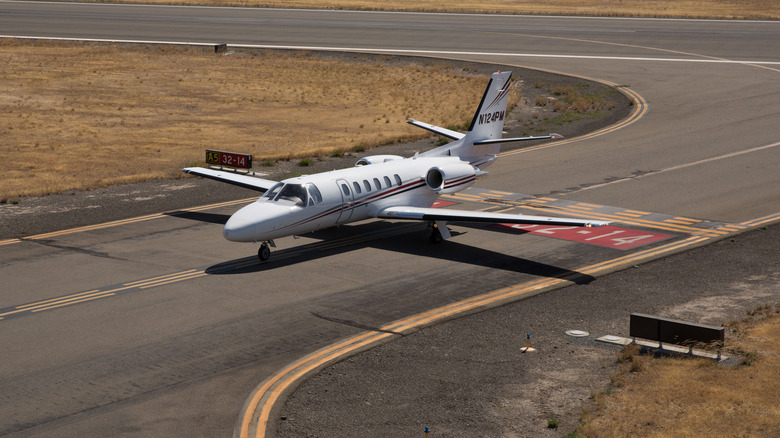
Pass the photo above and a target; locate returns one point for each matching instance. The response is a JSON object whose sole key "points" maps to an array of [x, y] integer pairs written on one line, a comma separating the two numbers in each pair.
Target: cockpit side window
{"points": [[295, 193], [315, 197]]}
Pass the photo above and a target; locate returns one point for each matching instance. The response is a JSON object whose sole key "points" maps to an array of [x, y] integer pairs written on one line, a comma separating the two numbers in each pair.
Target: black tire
{"points": [[264, 253], [435, 235]]}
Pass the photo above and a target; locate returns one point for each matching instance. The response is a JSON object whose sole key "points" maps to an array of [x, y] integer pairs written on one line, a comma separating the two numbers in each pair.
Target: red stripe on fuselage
{"points": [[382, 195], [460, 181]]}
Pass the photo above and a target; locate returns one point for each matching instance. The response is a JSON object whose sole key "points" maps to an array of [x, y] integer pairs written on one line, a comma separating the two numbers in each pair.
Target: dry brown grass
{"points": [[728, 9], [79, 116], [697, 398]]}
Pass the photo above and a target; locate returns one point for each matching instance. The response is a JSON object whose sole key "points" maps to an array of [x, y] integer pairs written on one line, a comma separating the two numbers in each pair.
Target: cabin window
{"points": [[397, 179], [357, 187], [377, 184], [367, 185], [345, 189], [388, 184]]}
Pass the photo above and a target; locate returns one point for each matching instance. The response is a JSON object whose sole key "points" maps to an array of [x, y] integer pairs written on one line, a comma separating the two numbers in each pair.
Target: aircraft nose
{"points": [[242, 226]]}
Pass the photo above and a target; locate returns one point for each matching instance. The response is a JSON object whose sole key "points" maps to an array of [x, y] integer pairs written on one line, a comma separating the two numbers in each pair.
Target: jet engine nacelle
{"points": [[450, 178], [375, 159]]}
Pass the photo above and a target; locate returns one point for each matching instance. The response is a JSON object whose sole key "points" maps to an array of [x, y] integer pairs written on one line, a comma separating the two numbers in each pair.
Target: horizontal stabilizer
{"points": [[445, 214], [507, 140], [237, 179], [453, 135]]}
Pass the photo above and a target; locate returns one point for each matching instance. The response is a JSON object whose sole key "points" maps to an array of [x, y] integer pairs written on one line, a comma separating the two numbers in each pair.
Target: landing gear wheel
{"points": [[264, 253], [433, 234]]}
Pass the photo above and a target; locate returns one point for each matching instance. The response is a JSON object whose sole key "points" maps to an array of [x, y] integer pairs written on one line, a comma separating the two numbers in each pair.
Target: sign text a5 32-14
{"points": [[229, 159]]}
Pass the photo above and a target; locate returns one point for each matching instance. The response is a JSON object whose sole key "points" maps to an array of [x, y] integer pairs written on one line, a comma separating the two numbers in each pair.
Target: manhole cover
{"points": [[577, 333]]}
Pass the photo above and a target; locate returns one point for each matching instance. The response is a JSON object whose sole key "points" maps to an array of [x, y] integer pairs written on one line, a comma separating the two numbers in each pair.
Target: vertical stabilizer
{"points": [[488, 122], [487, 126]]}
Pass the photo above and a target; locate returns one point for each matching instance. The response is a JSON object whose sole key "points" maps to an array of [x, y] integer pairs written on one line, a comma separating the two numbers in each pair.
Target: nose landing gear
{"points": [[264, 253]]}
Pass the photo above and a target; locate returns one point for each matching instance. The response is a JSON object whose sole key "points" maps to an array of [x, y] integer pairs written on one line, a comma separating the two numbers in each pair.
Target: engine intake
{"points": [[450, 178]]}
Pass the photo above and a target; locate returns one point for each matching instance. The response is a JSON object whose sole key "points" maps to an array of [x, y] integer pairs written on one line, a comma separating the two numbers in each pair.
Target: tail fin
{"points": [[488, 121], [482, 143], [487, 125]]}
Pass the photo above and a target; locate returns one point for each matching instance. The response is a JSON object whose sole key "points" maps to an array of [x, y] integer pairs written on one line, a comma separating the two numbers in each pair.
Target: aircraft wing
{"points": [[445, 214], [237, 179]]}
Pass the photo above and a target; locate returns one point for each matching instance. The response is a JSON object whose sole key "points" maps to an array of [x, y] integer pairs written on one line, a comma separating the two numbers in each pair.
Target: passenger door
{"points": [[347, 201]]}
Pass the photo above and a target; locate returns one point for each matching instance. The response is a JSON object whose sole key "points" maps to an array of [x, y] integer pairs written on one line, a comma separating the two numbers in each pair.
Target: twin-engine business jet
{"points": [[384, 186]]}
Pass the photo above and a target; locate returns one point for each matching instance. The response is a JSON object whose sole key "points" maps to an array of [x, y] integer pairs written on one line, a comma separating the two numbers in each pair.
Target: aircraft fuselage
{"points": [[340, 196]]}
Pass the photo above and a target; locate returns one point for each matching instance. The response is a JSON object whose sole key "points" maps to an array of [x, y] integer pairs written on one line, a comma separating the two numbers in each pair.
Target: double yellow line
{"points": [[774, 217], [257, 409], [122, 222], [666, 226], [641, 107], [629, 217], [57, 302], [81, 297]]}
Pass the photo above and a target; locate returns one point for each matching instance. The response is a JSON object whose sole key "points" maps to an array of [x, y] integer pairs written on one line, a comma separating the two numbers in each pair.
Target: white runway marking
{"points": [[405, 51]]}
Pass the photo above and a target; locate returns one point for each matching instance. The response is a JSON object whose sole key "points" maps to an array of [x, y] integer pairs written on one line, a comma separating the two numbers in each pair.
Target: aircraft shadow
{"points": [[399, 237], [200, 216]]}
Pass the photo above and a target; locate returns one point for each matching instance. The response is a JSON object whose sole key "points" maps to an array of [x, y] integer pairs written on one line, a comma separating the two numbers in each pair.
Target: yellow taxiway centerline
{"points": [[124, 222], [271, 390]]}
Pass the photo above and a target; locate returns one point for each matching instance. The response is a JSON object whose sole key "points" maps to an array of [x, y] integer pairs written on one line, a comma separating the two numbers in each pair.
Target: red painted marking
{"points": [[609, 236], [235, 160], [439, 204]]}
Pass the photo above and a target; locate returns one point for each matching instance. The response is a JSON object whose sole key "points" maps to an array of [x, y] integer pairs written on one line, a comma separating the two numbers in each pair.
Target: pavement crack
{"points": [[500, 201], [51, 244], [355, 324]]}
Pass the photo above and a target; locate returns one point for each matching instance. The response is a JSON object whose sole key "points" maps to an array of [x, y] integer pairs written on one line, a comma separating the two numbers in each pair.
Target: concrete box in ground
{"points": [[673, 331]]}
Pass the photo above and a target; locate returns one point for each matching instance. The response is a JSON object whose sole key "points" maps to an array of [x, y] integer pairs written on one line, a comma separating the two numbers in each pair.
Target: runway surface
{"points": [[157, 326]]}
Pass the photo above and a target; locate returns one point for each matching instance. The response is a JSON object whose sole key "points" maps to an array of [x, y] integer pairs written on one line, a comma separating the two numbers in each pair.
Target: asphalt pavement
{"points": [[469, 377], [180, 358]]}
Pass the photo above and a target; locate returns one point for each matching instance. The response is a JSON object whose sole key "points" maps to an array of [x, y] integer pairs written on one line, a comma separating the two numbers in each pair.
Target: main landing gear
{"points": [[436, 231], [264, 253]]}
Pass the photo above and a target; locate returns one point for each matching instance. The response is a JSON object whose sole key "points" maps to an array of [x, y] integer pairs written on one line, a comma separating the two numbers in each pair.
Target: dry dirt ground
{"points": [[34, 215]]}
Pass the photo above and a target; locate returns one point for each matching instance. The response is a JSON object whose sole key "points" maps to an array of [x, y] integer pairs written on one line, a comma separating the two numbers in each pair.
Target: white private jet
{"points": [[384, 186]]}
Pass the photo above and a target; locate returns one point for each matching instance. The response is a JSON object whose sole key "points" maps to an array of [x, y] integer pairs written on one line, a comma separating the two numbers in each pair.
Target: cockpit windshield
{"points": [[273, 191], [299, 194]]}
